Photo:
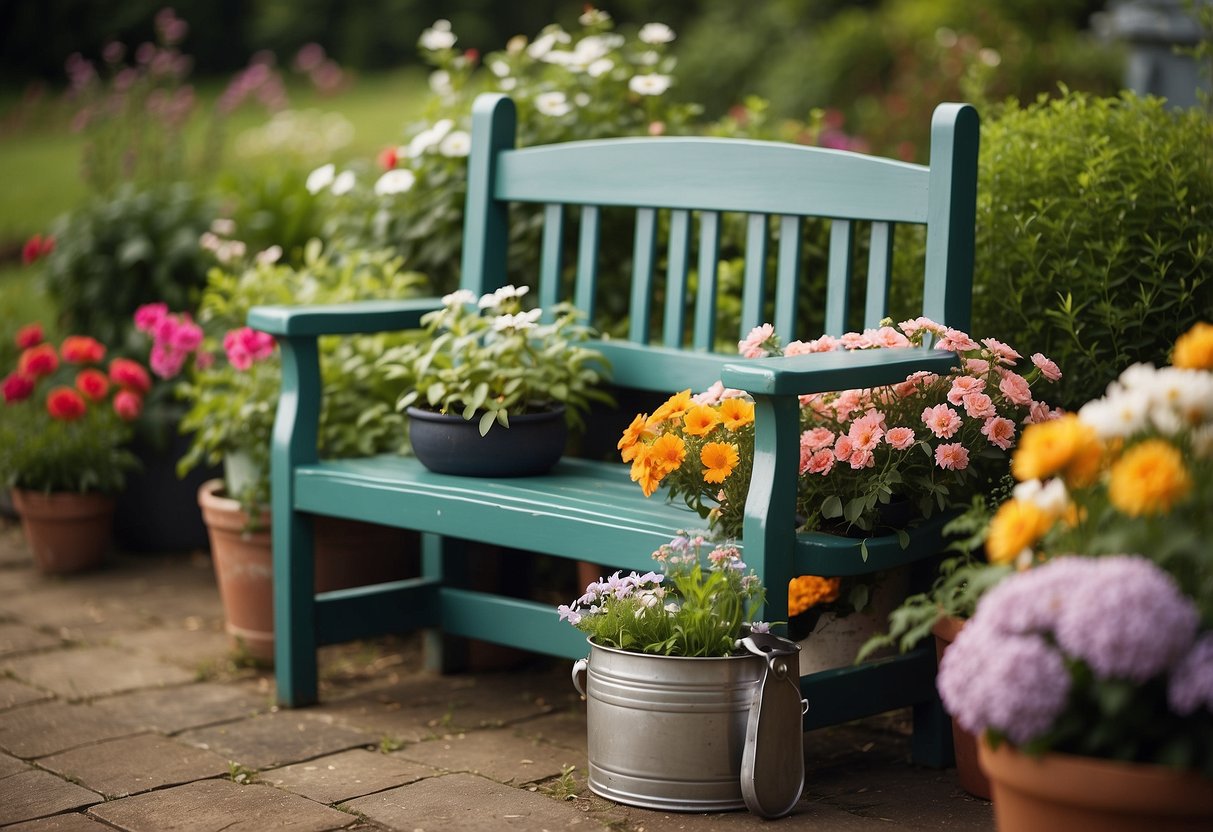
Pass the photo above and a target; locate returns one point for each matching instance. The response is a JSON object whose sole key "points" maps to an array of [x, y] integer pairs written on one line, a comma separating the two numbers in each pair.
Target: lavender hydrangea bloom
{"points": [[1012, 683], [1191, 683], [1031, 601], [1126, 618]]}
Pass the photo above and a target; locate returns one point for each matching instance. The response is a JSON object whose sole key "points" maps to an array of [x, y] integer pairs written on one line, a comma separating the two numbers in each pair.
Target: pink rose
{"points": [[1016, 388], [1002, 352], [843, 448], [956, 341], [952, 457], [900, 438], [979, 406], [862, 458], [963, 386], [822, 462], [1000, 432], [817, 438], [942, 420], [1047, 368]]}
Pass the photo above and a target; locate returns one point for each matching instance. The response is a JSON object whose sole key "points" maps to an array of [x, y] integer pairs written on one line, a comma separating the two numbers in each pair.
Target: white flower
{"points": [[224, 227], [1116, 415], [440, 83], [508, 84], [460, 297], [499, 68], [321, 178], [655, 33], [544, 43], [344, 183], [653, 84], [581, 99], [592, 15], [649, 58], [456, 144], [429, 138], [209, 241], [1050, 497], [395, 181], [270, 255], [229, 251], [519, 323], [600, 67], [552, 104], [507, 292], [439, 36]]}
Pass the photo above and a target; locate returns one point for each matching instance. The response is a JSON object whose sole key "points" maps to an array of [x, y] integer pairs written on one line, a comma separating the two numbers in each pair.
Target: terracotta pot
{"points": [[972, 779], [1064, 793], [66, 532], [348, 553]]}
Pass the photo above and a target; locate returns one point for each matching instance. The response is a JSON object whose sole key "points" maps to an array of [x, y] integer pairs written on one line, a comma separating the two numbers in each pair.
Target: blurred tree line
{"points": [[796, 53]]}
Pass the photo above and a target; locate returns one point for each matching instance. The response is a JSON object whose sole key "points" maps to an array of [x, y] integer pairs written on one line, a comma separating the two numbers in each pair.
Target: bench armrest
{"points": [[354, 318], [828, 371]]}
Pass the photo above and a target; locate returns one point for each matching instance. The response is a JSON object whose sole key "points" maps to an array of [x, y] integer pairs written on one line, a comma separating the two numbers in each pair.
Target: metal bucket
{"points": [[668, 732]]}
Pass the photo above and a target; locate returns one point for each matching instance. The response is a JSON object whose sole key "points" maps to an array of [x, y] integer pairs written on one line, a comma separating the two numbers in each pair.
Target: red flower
{"points": [[17, 387], [130, 375], [81, 349], [388, 158], [128, 405], [93, 384], [37, 247], [38, 361], [65, 404], [29, 335]]}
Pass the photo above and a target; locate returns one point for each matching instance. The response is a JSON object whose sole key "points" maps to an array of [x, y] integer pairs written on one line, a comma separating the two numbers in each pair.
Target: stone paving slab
{"points": [[467, 803], [209, 805], [566, 729], [14, 693], [276, 739], [173, 709], [38, 730], [194, 650], [35, 794], [498, 754], [130, 765], [11, 765], [17, 638], [74, 822], [86, 672], [347, 775], [69, 608]]}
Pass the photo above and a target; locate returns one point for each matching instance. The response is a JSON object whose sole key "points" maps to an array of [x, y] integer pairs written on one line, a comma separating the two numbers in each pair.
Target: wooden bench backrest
{"points": [[694, 182]]}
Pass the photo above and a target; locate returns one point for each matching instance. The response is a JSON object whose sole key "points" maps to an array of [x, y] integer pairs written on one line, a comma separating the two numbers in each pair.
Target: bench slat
{"points": [[880, 270], [709, 263], [678, 262], [643, 257]]}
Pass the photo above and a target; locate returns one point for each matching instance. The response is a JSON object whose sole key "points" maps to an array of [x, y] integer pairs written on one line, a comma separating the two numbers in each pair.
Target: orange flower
{"points": [[1017, 525], [81, 349], [807, 591], [1066, 446], [1194, 349], [1149, 479], [736, 413], [720, 458], [667, 453], [632, 435], [700, 420], [673, 407]]}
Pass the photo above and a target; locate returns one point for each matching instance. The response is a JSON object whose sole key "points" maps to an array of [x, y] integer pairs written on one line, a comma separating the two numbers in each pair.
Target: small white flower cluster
{"points": [[1167, 399], [326, 177]]}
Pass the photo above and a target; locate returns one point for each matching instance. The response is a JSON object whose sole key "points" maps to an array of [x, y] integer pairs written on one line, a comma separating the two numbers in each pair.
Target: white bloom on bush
{"points": [[395, 181], [508, 84], [1116, 416], [429, 138], [437, 37], [460, 297], [652, 84], [519, 323], [321, 178], [600, 67], [1050, 497], [269, 256], [229, 251], [989, 57], [649, 58], [552, 103], [223, 226], [545, 42], [581, 99], [655, 33], [344, 183], [591, 16], [499, 68], [456, 144], [440, 83], [209, 241], [508, 292]]}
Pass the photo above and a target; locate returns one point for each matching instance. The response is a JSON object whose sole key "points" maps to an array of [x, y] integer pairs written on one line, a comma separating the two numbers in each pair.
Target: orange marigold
{"points": [[1194, 349], [719, 459], [1149, 479], [632, 435], [807, 591], [673, 408], [1017, 525], [736, 413], [1066, 446], [700, 420]]}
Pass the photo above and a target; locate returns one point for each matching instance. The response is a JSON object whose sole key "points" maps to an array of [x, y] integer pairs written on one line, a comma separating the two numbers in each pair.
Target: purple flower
{"points": [[1016, 684], [1126, 618], [1031, 601], [760, 627], [569, 614], [1191, 684]]}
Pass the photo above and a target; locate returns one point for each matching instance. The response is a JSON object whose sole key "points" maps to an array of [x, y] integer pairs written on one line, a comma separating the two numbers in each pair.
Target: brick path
{"points": [[122, 707]]}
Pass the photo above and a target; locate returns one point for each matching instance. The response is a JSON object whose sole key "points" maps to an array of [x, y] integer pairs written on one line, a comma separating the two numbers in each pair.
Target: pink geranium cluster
{"points": [[934, 439], [176, 337]]}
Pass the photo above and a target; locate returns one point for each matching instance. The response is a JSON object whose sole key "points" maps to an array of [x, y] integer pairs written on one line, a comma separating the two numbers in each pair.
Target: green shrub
{"points": [[120, 251], [1094, 232]]}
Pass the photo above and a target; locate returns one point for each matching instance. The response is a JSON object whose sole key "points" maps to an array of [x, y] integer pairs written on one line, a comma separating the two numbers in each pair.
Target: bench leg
{"points": [[932, 741], [295, 626]]}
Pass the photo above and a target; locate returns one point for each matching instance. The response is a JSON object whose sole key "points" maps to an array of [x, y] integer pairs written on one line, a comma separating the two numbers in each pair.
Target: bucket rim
{"points": [[731, 657]]}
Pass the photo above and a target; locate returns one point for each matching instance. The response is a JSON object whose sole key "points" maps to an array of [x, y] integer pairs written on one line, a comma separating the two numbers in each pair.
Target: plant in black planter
{"points": [[480, 362]]}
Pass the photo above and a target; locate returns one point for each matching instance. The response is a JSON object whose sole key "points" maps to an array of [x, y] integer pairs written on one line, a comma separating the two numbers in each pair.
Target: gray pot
{"points": [[672, 733]]}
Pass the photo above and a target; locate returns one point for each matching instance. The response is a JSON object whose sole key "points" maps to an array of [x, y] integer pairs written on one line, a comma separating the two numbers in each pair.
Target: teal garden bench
{"points": [[589, 510]]}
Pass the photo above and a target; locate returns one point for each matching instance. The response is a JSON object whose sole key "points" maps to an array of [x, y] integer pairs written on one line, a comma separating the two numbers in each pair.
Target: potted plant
{"points": [[481, 362], [64, 434], [874, 461], [674, 694], [231, 381]]}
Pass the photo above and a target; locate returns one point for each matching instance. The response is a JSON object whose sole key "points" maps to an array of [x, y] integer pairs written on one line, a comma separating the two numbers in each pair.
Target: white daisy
{"points": [[395, 181], [652, 84], [456, 144], [321, 178], [655, 33], [439, 36], [552, 103], [344, 183]]}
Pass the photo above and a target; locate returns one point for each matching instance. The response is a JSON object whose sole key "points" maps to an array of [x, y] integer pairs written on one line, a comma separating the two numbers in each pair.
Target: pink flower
{"points": [[822, 462], [979, 406], [848, 402], [843, 448], [956, 341], [976, 366], [817, 438], [1016, 388], [867, 431], [165, 361], [855, 340], [1002, 352], [862, 458], [826, 343], [149, 316], [755, 344], [1047, 368], [914, 382], [942, 420], [963, 386], [1000, 432], [128, 405], [900, 438], [17, 387], [246, 345], [187, 336], [920, 323], [1040, 412], [952, 457], [889, 338]]}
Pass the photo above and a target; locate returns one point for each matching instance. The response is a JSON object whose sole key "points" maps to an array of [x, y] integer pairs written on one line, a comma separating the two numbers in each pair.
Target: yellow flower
{"points": [[674, 406], [720, 458], [632, 435], [1149, 479], [1064, 446], [807, 591], [1194, 349], [736, 413], [1017, 525], [700, 420]]}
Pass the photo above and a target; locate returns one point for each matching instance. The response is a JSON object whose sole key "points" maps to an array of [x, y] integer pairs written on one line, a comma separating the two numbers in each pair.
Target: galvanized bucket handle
{"points": [[772, 763]]}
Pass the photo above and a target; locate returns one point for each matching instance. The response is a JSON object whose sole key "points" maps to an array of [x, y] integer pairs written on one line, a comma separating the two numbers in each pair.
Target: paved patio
{"points": [[121, 706]]}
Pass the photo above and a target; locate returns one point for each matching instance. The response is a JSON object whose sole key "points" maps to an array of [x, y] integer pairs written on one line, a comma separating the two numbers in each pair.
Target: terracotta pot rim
{"points": [[213, 502], [1122, 786], [947, 627]]}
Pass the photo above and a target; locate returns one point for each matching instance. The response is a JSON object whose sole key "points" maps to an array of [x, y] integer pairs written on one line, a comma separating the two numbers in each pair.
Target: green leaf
{"points": [[486, 421], [831, 507]]}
